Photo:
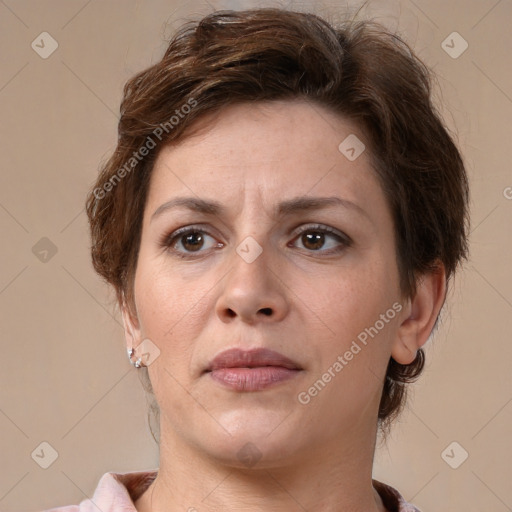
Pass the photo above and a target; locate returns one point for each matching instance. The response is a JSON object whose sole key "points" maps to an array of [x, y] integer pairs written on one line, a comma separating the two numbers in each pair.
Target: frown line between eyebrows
{"points": [[283, 209]]}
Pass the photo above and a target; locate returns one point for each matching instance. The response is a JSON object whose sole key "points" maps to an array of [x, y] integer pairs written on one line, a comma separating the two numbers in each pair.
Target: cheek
{"points": [[353, 301], [169, 311], [352, 361], [164, 294], [358, 310]]}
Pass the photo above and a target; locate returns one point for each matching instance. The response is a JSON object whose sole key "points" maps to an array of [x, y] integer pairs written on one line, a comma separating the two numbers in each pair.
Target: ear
{"points": [[132, 332], [419, 315]]}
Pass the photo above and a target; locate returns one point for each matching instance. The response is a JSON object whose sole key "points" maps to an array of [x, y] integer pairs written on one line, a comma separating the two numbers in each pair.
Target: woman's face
{"points": [[262, 271]]}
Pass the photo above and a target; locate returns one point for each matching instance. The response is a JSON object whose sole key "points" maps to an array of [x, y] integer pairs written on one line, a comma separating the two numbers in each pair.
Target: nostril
{"points": [[266, 311]]}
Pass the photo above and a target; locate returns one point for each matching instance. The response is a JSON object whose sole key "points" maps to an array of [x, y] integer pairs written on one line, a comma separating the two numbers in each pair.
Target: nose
{"points": [[253, 292]]}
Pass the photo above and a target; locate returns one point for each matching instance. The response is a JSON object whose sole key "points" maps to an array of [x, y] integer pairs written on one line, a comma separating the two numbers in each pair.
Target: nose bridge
{"points": [[251, 265], [253, 254], [251, 288]]}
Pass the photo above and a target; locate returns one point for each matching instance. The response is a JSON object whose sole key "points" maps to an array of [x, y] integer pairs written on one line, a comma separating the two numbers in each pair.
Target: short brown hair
{"points": [[356, 69]]}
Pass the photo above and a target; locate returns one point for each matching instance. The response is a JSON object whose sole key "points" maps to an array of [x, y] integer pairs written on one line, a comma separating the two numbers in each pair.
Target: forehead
{"points": [[273, 148], [269, 129]]}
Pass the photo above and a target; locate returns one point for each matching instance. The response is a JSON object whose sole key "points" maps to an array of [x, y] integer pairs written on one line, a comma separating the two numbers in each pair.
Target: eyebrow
{"points": [[284, 208]]}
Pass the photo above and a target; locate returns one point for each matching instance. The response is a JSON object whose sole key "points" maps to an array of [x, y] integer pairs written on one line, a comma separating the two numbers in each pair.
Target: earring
{"points": [[135, 362]]}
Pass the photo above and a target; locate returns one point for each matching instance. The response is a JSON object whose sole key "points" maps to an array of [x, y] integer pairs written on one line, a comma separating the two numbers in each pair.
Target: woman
{"points": [[280, 221]]}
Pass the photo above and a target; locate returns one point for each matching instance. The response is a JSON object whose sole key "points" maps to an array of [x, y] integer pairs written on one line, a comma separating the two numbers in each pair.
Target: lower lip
{"points": [[252, 379]]}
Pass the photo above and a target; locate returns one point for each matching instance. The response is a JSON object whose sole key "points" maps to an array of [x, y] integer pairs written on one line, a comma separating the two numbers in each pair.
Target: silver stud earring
{"points": [[133, 360]]}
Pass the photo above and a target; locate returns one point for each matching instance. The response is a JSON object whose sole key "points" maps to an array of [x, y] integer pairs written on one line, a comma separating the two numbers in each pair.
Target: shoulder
{"points": [[66, 508], [114, 492], [392, 499]]}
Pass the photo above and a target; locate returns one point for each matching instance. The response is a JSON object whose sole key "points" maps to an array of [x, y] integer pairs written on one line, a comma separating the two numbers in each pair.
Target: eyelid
{"points": [[323, 227], [168, 240]]}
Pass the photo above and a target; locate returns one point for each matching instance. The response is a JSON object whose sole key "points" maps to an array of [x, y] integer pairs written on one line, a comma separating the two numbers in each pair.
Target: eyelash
{"points": [[169, 241]]}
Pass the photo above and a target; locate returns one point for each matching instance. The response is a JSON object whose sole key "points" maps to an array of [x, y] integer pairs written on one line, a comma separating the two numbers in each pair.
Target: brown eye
{"points": [[313, 240], [189, 241], [316, 239], [192, 241]]}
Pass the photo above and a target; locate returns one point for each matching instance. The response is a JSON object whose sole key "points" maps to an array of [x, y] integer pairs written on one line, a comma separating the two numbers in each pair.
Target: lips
{"points": [[251, 370], [237, 358]]}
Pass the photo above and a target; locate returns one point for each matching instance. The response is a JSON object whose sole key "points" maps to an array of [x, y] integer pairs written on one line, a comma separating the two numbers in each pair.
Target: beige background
{"points": [[64, 374]]}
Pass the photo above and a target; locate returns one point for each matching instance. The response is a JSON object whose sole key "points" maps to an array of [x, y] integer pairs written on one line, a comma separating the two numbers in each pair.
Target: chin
{"points": [[255, 439], [255, 454], [255, 422]]}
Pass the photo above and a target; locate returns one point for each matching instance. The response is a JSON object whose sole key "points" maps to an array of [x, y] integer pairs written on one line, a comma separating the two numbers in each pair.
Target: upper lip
{"points": [[237, 358]]}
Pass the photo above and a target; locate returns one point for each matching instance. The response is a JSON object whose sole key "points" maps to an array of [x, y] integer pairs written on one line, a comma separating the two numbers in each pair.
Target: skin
{"points": [[298, 297]]}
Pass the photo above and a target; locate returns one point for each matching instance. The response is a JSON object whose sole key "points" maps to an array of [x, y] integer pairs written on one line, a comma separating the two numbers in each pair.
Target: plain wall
{"points": [[65, 378]]}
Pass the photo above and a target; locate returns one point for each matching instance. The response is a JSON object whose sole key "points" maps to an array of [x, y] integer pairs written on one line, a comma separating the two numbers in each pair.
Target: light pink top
{"points": [[117, 492]]}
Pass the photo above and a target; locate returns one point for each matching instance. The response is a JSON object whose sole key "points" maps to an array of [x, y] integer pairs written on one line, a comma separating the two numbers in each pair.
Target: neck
{"points": [[328, 478]]}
